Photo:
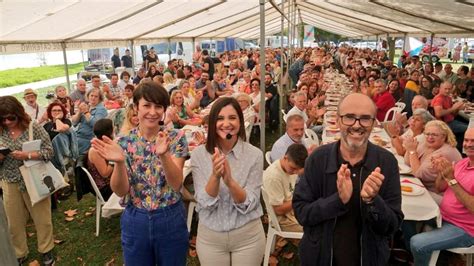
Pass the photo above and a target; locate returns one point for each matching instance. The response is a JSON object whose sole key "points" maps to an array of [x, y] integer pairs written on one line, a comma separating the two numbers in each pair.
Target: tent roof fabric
{"points": [[78, 24]]}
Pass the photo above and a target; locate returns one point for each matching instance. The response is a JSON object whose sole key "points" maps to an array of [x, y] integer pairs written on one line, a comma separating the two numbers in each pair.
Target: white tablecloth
{"points": [[421, 207]]}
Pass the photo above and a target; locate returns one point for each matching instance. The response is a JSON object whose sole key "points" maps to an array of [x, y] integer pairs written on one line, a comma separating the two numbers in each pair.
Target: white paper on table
{"points": [[31, 146]]}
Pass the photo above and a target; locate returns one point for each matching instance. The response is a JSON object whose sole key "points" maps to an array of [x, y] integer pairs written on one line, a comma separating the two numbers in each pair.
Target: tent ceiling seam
{"points": [[379, 17], [325, 16], [181, 18], [356, 18], [115, 20], [418, 15]]}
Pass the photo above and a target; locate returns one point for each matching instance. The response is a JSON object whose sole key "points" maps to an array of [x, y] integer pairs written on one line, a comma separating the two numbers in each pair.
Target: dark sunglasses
{"points": [[9, 118]]}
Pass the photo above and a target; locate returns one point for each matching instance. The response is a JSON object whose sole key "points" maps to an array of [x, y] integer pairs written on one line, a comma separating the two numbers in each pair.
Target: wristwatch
{"points": [[452, 182]]}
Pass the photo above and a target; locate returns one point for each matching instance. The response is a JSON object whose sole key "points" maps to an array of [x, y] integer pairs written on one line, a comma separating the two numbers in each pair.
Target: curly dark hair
{"points": [[10, 105], [52, 105]]}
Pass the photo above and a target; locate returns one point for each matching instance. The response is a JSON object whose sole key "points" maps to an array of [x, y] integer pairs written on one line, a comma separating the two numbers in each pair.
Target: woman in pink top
{"points": [[439, 141]]}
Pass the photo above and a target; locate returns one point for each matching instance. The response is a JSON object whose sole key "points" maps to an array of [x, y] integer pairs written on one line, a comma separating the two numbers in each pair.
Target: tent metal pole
{"points": [[281, 91], [289, 34], [66, 70], [193, 41], [169, 50], [431, 47], [262, 75], [132, 50]]}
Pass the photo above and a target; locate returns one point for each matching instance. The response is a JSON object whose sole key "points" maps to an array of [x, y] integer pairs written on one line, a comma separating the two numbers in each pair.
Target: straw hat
{"points": [[29, 91]]}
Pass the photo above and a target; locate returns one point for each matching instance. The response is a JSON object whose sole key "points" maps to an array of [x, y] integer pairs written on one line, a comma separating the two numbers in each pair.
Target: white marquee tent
{"points": [[50, 25], [53, 25]]}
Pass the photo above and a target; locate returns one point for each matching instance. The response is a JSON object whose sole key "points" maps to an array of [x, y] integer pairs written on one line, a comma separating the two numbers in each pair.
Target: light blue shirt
{"points": [[281, 145], [221, 213]]}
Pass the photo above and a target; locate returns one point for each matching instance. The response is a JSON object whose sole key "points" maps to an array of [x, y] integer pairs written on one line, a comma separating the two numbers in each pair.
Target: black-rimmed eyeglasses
{"points": [[350, 120]]}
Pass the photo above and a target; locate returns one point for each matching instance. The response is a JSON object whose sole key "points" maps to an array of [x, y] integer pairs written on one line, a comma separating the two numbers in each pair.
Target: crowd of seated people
{"points": [[429, 127]]}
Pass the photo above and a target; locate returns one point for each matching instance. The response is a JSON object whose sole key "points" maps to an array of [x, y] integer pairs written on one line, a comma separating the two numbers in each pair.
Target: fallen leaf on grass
{"points": [[58, 241], [110, 262], [69, 219], [70, 213], [192, 253], [92, 209], [272, 261], [87, 214], [288, 255], [34, 263], [79, 259], [30, 234]]}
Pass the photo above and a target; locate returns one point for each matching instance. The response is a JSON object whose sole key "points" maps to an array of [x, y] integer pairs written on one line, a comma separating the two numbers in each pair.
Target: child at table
{"points": [[148, 173]]}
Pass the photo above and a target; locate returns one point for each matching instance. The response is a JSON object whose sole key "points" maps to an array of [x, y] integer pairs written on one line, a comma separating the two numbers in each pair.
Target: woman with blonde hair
{"points": [[168, 81], [131, 120], [439, 141], [180, 113]]}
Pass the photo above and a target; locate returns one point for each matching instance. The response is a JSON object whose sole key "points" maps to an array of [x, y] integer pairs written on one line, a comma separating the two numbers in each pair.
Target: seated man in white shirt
{"points": [[279, 182], [32, 108], [309, 113], [294, 134]]}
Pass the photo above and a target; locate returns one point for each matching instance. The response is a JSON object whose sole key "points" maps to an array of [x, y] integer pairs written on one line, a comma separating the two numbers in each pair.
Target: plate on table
{"points": [[404, 169], [376, 130], [411, 189]]}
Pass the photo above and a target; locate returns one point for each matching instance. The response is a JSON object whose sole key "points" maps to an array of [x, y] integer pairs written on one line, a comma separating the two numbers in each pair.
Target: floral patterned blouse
{"points": [[9, 167], [148, 186]]}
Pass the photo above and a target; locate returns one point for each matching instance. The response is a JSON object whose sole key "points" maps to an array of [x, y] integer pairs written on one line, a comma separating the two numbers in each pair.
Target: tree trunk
{"points": [[391, 48], [7, 254]]}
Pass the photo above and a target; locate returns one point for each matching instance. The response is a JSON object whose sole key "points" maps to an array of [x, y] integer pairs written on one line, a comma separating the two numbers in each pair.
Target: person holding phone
{"points": [[148, 173], [14, 131], [227, 174]]}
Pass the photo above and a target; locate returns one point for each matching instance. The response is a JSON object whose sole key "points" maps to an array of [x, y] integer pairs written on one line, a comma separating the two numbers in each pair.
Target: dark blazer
{"points": [[317, 205]]}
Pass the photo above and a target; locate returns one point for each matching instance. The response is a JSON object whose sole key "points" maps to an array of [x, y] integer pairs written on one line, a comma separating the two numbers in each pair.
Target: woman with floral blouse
{"points": [[148, 174], [227, 174]]}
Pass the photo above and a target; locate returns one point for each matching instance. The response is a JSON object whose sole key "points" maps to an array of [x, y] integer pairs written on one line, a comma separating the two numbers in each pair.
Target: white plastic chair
{"points": [[311, 136], [274, 229], [391, 113], [99, 200], [400, 105], [268, 157], [467, 251]]}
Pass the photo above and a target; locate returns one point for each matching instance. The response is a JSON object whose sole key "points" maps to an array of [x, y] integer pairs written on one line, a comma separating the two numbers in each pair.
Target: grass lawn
{"points": [[18, 76]]}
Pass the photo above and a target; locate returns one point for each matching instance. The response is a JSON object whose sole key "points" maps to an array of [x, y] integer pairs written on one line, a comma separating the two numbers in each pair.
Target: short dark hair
{"points": [[205, 52], [189, 68], [104, 127], [213, 115], [125, 73], [95, 76], [297, 153], [464, 69], [114, 75], [152, 92]]}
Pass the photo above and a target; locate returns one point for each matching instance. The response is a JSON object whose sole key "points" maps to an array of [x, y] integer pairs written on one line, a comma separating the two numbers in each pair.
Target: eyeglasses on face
{"points": [[9, 118], [434, 135], [350, 120], [56, 111]]}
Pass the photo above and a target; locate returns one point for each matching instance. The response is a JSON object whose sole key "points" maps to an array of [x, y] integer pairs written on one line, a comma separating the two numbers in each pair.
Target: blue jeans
{"points": [[158, 237], [446, 237]]}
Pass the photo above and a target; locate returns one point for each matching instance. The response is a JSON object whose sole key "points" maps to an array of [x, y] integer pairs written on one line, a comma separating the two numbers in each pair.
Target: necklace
{"points": [[148, 141]]}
